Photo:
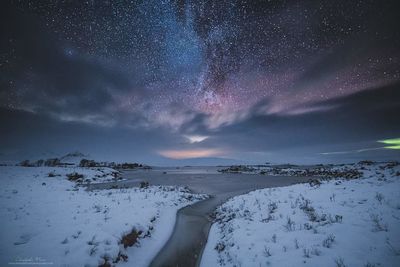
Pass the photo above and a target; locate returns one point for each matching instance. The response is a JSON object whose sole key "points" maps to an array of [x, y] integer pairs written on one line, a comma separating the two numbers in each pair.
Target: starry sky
{"points": [[169, 82]]}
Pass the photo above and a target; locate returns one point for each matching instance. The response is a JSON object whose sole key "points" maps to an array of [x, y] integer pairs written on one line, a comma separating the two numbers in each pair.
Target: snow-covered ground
{"points": [[45, 218], [338, 223]]}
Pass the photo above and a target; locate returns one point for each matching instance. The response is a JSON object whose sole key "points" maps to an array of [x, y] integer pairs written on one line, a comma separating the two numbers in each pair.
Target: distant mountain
{"points": [[73, 158], [74, 154]]}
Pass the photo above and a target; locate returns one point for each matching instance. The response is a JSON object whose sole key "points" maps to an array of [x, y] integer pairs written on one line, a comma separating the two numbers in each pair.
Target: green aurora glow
{"points": [[391, 143]]}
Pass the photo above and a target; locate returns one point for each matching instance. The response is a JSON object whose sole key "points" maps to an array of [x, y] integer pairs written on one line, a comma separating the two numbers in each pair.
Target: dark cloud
{"points": [[28, 135], [356, 121], [46, 76]]}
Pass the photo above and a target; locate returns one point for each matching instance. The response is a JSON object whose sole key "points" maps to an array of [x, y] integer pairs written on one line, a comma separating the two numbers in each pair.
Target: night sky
{"points": [[163, 82]]}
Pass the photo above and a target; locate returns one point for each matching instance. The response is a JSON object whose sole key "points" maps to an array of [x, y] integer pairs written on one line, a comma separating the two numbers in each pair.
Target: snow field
{"points": [[51, 220], [339, 223]]}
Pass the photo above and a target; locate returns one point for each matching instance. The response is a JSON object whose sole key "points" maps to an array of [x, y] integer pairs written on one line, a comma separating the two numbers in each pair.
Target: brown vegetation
{"points": [[130, 239]]}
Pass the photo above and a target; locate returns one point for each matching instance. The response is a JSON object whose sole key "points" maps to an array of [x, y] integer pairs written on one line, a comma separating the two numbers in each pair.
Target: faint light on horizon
{"points": [[352, 151], [189, 154], [393, 143], [196, 138]]}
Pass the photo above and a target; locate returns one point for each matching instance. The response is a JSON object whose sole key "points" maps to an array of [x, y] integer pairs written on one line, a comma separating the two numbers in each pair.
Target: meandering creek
{"points": [[186, 244]]}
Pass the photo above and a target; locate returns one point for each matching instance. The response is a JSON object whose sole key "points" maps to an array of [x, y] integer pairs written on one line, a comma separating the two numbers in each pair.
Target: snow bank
{"points": [[339, 223], [48, 219]]}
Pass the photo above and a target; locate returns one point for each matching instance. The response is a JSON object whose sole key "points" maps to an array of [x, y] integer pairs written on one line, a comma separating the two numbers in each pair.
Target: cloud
{"points": [[195, 138], [190, 153], [41, 75], [352, 151], [353, 122]]}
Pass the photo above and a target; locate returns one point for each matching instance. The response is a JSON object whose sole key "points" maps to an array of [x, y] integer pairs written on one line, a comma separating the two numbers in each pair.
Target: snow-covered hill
{"points": [[73, 158]]}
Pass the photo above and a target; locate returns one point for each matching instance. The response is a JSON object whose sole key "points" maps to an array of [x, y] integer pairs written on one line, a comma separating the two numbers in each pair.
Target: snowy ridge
{"points": [[73, 158], [338, 223], [49, 219]]}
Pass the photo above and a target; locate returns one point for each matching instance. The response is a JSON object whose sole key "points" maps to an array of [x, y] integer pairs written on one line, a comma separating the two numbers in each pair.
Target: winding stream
{"points": [[186, 244]]}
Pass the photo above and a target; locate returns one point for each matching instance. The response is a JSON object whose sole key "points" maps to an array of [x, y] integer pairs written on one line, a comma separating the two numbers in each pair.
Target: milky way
{"points": [[146, 64]]}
